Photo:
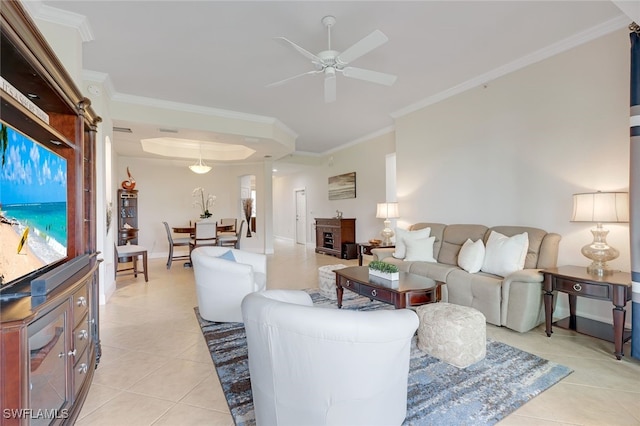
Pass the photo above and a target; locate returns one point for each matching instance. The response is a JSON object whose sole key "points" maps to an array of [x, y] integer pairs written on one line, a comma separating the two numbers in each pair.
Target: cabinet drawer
{"points": [[328, 222], [351, 285], [598, 291], [80, 303], [81, 335], [81, 370], [377, 294]]}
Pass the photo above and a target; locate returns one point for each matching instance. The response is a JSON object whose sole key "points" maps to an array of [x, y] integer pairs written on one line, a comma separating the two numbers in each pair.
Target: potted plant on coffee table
{"points": [[384, 270]]}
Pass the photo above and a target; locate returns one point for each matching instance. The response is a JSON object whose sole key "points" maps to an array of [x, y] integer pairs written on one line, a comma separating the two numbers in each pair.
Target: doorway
{"points": [[301, 216]]}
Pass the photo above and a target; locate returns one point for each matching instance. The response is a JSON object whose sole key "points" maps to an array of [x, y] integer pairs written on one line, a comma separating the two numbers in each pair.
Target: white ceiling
{"points": [[222, 54]]}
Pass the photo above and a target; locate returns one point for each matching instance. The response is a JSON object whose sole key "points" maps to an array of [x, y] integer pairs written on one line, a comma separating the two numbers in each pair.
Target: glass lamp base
{"points": [[599, 252], [387, 233]]}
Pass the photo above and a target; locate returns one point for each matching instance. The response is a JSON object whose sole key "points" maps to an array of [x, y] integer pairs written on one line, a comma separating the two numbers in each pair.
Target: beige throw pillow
{"points": [[420, 249], [402, 235], [504, 255], [471, 256]]}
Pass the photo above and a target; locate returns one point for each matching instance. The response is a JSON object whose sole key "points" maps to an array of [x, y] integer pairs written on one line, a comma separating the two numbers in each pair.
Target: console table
{"points": [[575, 281]]}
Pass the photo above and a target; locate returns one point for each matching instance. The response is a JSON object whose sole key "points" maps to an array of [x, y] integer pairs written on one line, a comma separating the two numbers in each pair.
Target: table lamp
{"points": [[599, 207], [387, 211]]}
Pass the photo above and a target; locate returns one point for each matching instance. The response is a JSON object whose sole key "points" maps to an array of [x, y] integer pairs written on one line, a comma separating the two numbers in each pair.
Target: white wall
{"points": [[367, 160], [514, 152], [165, 194]]}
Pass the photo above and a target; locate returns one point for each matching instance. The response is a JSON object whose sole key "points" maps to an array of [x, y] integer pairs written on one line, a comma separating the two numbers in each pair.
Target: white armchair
{"points": [[221, 284], [319, 366]]}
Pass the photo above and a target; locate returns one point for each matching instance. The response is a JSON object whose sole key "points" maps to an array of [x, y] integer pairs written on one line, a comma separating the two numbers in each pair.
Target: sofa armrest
{"points": [[382, 253], [522, 303]]}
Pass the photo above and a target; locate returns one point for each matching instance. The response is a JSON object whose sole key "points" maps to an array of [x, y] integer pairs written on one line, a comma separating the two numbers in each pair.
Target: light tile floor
{"points": [[156, 370]]}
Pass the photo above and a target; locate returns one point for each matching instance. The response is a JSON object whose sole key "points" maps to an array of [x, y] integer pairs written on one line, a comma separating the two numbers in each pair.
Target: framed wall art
{"points": [[342, 186]]}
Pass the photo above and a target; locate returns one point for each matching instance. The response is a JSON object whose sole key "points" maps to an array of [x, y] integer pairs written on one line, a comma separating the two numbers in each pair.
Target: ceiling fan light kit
{"points": [[329, 61]]}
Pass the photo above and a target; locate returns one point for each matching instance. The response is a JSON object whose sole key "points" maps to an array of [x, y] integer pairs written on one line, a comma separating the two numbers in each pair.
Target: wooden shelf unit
{"points": [[127, 215], [332, 234]]}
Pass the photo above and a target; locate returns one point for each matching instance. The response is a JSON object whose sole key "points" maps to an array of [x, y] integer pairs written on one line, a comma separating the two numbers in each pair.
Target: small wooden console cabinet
{"points": [[332, 234], [575, 281]]}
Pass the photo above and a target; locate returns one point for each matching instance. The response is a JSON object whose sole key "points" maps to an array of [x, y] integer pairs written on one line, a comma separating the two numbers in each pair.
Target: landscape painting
{"points": [[342, 186]]}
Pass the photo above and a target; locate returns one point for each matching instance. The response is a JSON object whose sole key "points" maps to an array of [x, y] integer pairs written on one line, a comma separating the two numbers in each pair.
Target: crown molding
{"points": [[101, 78], [38, 10], [365, 138], [568, 43]]}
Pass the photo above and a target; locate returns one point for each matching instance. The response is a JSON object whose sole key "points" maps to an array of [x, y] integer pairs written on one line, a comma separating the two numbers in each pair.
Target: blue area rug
{"points": [[438, 393]]}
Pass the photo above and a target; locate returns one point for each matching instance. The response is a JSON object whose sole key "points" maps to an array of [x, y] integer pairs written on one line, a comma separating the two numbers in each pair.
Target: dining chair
{"points": [[227, 227], [175, 242], [205, 235], [231, 240], [129, 253]]}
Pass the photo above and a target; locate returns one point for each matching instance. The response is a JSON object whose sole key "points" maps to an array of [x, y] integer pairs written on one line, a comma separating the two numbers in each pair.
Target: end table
{"points": [[576, 281], [365, 248]]}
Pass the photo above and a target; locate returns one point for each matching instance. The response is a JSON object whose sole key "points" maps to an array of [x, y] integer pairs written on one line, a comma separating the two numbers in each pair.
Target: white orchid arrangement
{"points": [[204, 203]]}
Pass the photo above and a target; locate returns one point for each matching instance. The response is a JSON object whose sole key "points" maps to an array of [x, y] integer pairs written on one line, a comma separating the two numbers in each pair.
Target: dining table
{"points": [[191, 230]]}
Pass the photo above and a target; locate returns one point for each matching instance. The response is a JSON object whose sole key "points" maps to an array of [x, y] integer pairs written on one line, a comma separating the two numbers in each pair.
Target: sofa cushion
{"points": [[420, 249], [435, 271], [454, 236], [403, 235], [471, 256], [480, 291], [504, 255]]}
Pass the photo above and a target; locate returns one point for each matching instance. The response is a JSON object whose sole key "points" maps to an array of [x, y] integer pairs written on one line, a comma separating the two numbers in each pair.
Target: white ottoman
{"points": [[327, 280], [455, 334]]}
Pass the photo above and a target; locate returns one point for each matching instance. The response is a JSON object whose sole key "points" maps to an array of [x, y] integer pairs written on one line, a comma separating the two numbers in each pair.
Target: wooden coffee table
{"points": [[409, 290]]}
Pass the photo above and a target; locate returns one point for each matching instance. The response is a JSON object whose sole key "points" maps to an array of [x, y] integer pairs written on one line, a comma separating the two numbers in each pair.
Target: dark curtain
{"points": [[634, 188]]}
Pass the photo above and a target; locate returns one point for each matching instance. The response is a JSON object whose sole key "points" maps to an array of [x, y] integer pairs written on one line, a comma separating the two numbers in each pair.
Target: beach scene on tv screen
{"points": [[33, 206]]}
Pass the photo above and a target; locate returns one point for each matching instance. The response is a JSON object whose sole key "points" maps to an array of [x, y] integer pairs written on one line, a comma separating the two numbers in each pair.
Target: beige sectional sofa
{"points": [[514, 301]]}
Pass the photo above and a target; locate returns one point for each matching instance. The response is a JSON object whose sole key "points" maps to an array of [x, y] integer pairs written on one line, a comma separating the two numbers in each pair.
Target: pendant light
{"points": [[200, 167]]}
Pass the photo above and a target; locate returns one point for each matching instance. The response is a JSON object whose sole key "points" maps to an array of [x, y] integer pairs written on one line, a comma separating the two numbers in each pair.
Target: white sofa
{"points": [[222, 284], [514, 301], [318, 366]]}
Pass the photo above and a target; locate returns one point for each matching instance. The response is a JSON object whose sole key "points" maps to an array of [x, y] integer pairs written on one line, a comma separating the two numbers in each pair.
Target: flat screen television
{"points": [[33, 208]]}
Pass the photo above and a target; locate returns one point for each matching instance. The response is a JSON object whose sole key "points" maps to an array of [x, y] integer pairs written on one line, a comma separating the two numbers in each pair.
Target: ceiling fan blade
{"points": [[364, 46], [278, 83], [329, 87], [368, 75], [301, 50]]}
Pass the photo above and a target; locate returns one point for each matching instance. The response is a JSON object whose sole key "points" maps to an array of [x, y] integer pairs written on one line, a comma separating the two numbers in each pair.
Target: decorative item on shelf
{"points": [[204, 204], [600, 207], [375, 242], [384, 270], [130, 183], [200, 168], [387, 211], [247, 207], [338, 214]]}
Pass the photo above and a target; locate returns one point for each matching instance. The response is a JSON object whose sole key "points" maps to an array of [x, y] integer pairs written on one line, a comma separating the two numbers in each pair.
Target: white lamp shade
{"points": [[601, 207], [387, 211]]}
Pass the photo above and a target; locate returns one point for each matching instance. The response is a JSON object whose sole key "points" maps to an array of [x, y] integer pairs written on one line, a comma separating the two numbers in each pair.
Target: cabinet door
{"points": [[49, 385]]}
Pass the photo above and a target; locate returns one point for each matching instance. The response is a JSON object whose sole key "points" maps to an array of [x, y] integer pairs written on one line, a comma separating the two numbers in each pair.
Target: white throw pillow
{"points": [[504, 255], [420, 249], [402, 235], [471, 256]]}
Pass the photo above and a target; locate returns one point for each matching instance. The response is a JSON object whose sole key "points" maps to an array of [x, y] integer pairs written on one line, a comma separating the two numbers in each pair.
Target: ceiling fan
{"points": [[329, 62]]}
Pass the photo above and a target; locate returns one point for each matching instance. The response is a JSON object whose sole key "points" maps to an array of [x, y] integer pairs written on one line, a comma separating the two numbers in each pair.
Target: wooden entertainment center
{"points": [[49, 343], [336, 237]]}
